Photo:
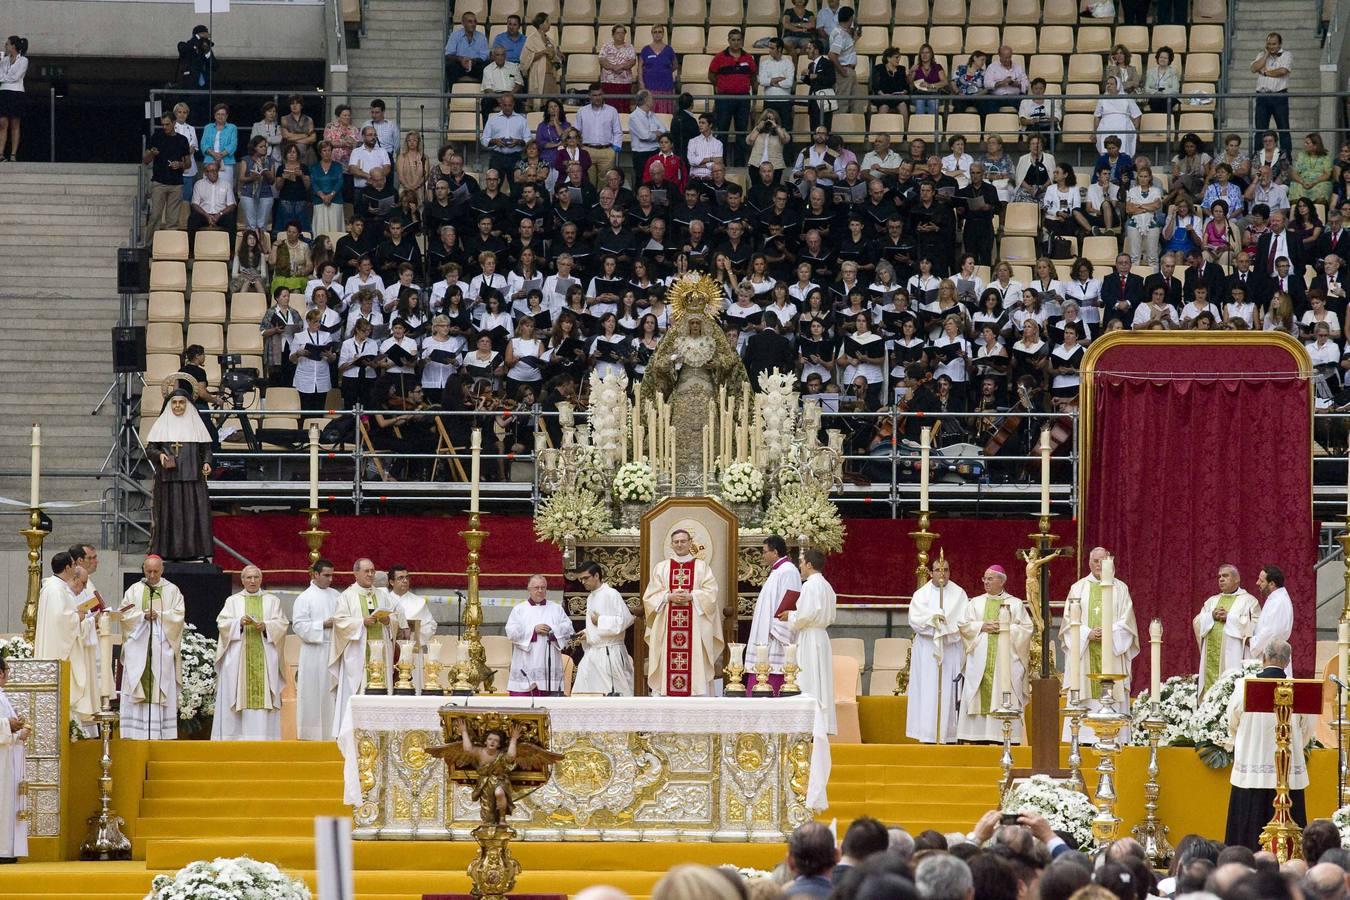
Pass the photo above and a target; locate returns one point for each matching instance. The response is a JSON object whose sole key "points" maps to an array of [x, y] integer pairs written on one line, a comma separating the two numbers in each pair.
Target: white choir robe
{"points": [[158, 645], [103, 657], [975, 723], [707, 621], [536, 659], [606, 667], [315, 686], [810, 623], [13, 830], [764, 627], [1124, 646], [347, 660], [62, 634], [233, 722], [1237, 628], [935, 661], [1276, 623], [417, 615]]}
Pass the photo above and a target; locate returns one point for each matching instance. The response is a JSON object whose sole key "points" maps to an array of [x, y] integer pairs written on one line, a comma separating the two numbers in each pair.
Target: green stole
{"points": [[1094, 620], [1214, 642], [255, 657], [369, 603], [152, 593], [991, 611]]}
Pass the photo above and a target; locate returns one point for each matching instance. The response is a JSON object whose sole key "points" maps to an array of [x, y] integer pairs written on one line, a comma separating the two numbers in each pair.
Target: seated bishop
{"points": [[684, 623]]}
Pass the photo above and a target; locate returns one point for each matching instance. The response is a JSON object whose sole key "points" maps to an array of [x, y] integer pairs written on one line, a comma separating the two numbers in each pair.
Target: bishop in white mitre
{"points": [[1276, 622], [365, 615], [684, 623], [537, 629], [417, 618], [14, 732], [249, 664], [152, 613], [983, 643], [65, 630], [810, 623], [1223, 626], [1122, 646], [783, 584], [936, 657], [606, 668], [315, 687]]}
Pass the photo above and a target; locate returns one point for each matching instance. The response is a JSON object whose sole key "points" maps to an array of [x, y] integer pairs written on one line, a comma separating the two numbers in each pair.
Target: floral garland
{"points": [[743, 482], [240, 878], [1067, 810], [17, 647], [1210, 728], [777, 407], [1178, 696], [798, 510], [571, 514], [197, 678], [635, 482], [609, 413]]}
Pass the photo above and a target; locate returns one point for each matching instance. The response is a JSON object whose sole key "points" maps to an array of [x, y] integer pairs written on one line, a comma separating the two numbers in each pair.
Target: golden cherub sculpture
{"points": [[502, 768]]}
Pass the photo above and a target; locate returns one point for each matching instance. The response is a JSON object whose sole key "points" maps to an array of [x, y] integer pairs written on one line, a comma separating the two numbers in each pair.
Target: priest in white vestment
{"points": [[419, 623], [86, 556], [13, 802], [936, 658], [153, 614], [1223, 626], [250, 668], [983, 643], [606, 668], [537, 629], [783, 584], [66, 630], [365, 614], [315, 687], [1276, 622], [683, 624], [810, 623], [1124, 637]]}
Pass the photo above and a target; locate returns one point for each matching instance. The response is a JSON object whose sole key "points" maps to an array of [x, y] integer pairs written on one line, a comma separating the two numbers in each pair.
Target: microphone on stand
{"points": [[524, 675], [613, 692]]}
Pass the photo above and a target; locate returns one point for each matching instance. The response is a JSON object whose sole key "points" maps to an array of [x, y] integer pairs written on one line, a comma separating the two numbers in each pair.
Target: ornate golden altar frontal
{"points": [[634, 769]]}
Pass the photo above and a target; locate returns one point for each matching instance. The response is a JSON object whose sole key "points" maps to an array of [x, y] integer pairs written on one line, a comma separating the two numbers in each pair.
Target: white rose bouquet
{"points": [[197, 682], [239, 878], [742, 482], [1209, 727], [17, 647], [777, 406], [635, 482], [1067, 810], [609, 413], [1178, 696]]}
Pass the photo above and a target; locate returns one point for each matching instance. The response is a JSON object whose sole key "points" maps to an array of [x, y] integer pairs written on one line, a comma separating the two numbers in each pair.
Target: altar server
{"points": [[153, 613], [66, 630], [784, 583], [538, 629], [935, 614], [1277, 614], [365, 613], [684, 623], [983, 643], [810, 623], [1123, 645], [315, 687], [606, 668], [417, 618], [249, 665], [1223, 626], [13, 800]]}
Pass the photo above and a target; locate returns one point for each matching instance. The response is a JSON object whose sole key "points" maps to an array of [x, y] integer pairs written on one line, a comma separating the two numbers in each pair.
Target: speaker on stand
{"points": [[133, 270]]}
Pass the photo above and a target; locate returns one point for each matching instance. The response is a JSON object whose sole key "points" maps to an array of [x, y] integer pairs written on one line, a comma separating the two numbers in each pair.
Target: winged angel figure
{"points": [[500, 754]]}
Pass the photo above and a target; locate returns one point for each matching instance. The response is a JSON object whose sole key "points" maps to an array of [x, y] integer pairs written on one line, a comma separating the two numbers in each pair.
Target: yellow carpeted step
{"points": [[278, 789], [271, 826], [245, 751], [253, 770], [257, 807]]}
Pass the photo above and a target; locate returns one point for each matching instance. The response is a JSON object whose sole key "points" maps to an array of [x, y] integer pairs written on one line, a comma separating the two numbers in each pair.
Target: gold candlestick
{"points": [[762, 687], [431, 676], [404, 667], [790, 687], [1006, 715], [1151, 832], [105, 841], [1106, 724], [479, 675], [734, 687], [313, 535], [923, 542], [460, 686], [375, 668], [1075, 711], [1281, 835], [34, 535]]}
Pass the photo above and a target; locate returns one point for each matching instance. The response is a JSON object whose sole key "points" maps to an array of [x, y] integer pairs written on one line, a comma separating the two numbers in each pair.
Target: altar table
{"points": [[634, 769]]}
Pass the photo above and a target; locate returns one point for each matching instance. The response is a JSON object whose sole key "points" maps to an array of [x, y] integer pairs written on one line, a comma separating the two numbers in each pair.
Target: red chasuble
{"points": [[679, 631]]}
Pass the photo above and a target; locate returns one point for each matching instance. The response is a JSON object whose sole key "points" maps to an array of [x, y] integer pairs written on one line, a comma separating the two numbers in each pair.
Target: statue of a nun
{"points": [[180, 448]]}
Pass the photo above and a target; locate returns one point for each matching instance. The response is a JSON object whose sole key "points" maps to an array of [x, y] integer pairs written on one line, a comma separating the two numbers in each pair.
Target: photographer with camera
{"points": [[767, 140], [196, 69]]}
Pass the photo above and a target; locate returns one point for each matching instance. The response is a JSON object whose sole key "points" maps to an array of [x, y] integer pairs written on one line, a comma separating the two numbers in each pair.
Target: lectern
{"points": [[1284, 697]]}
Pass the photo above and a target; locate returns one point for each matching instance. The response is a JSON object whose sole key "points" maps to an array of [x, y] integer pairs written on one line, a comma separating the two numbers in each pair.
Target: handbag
{"points": [[826, 105]]}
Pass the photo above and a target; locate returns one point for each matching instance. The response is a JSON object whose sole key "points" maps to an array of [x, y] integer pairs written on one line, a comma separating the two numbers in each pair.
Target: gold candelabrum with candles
{"points": [[560, 466], [478, 675], [1106, 722], [35, 535], [1006, 714], [1152, 833], [314, 535]]}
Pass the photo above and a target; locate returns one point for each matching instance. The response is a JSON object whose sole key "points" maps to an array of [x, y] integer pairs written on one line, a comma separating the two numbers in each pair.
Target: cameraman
{"points": [[196, 70], [767, 141]]}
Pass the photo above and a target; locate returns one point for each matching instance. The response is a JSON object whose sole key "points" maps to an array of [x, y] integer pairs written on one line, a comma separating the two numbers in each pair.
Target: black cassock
{"points": [[180, 524]]}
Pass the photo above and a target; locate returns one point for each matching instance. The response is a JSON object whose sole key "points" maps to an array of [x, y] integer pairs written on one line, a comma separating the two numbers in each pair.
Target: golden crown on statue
{"points": [[694, 295]]}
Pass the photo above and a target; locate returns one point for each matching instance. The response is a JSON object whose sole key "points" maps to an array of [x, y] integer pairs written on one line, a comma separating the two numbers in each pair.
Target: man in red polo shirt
{"points": [[732, 72]]}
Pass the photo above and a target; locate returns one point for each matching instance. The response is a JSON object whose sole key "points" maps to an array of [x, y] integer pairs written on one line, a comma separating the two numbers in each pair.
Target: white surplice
{"points": [[606, 667], [1237, 628], [764, 627], [62, 634], [418, 618], [810, 624], [975, 723], [13, 830], [1254, 743], [347, 661], [536, 659], [1124, 646], [107, 685], [155, 646], [315, 686], [1275, 624], [707, 622], [935, 661], [233, 720]]}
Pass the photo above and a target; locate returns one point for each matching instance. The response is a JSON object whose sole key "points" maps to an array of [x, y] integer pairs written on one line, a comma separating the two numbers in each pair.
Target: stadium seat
{"points": [[550, 7], [853, 126], [1197, 87], [582, 69], [1099, 250], [503, 8], [1209, 11], [986, 12], [283, 399], [687, 39], [651, 11], [1058, 12], [169, 245], [168, 275], [872, 40], [1085, 68], [965, 124], [694, 68], [1198, 123], [756, 33], [1206, 39], [209, 334], [1081, 97], [1173, 36], [982, 37], [1155, 128], [889, 123], [1049, 66], [578, 39], [164, 337], [1022, 219], [241, 337], [689, 12], [1093, 39], [915, 11], [922, 125], [1005, 125], [478, 7], [766, 12], [908, 39], [211, 245], [1052, 39], [248, 307], [949, 11], [873, 12], [1201, 67], [1135, 39], [207, 306], [726, 13], [165, 306], [463, 126], [717, 38], [210, 276], [946, 39], [853, 648], [1018, 248], [615, 12], [159, 366], [1077, 129]]}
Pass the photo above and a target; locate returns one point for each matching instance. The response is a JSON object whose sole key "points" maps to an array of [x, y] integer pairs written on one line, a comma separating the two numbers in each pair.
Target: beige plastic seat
{"points": [[649, 12], [922, 125], [210, 335], [582, 68], [1173, 36], [688, 39], [549, 7], [915, 11], [853, 126], [1198, 87], [1206, 39], [242, 337], [755, 33], [769, 12], [1093, 39], [1202, 67], [210, 276], [1134, 37], [503, 8], [1059, 12], [1021, 219], [207, 306], [1155, 128], [1099, 250], [1198, 123], [1027, 11], [694, 68], [950, 11], [1077, 129], [846, 675], [985, 12], [164, 337], [908, 39], [1005, 125], [966, 125], [1085, 68], [946, 39], [463, 126], [888, 657], [165, 306], [983, 37], [169, 245], [213, 245], [616, 12], [1081, 97], [873, 12], [168, 275], [282, 399], [478, 7], [248, 307], [1051, 39], [578, 39], [159, 366], [889, 123], [716, 40], [690, 12], [1209, 11], [726, 13], [854, 648], [872, 41], [1018, 248], [1049, 66]]}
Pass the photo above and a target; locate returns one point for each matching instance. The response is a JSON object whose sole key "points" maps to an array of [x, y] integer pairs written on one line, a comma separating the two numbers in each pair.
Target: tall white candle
{"points": [[1073, 677], [1347, 482], [637, 428], [1108, 617], [1045, 471], [1155, 659], [925, 441], [36, 467], [790, 655], [476, 446], [1003, 665], [761, 653], [314, 467], [737, 654], [1343, 633]]}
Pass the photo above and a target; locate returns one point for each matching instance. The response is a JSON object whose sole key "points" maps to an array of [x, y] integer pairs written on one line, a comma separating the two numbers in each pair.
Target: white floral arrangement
{"points": [[571, 513], [240, 878], [798, 510], [635, 482], [777, 405], [1067, 810], [592, 472], [609, 413], [197, 678], [1178, 696], [748, 873], [17, 647], [1341, 819], [743, 482], [1209, 728]]}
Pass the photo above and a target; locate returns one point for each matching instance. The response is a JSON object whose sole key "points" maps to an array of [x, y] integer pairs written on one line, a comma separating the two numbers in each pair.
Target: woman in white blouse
{"points": [[436, 372], [863, 353], [955, 368], [402, 370], [1047, 284], [609, 348], [1085, 290], [781, 311], [1009, 289], [487, 278], [1065, 360], [1062, 202], [1070, 314], [312, 376], [956, 164], [495, 321], [13, 66], [1239, 310], [759, 278], [1156, 313], [1320, 315], [803, 285], [519, 284], [601, 293], [483, 365], [1326, 357], [923, 285], [524, 363], [969, 286]]}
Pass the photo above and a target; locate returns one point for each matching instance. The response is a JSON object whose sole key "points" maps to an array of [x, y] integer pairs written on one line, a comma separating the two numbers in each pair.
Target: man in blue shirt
{"points": [[466, 51], [513, 39], [505, 134]]}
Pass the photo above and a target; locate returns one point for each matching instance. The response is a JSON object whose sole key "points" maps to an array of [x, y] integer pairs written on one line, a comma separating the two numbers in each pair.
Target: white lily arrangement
{"points": [[571, 513], [799, 509], [239, 878], [1178, 696], [16, 647], [776, 406], [743, 482], [1067, 810], [635, 482], [1209, 728], [609, 413], [197, 681]]}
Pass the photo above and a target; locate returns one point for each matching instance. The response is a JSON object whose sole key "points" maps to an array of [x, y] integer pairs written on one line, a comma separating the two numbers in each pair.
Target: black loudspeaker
{"points": [[128, 346], [133, 270], [204, 588]]}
